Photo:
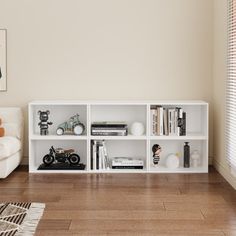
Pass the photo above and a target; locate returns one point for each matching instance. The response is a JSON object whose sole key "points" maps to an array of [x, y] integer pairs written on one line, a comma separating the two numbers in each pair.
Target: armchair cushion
{"points": [[12, 129], [9, 146]]}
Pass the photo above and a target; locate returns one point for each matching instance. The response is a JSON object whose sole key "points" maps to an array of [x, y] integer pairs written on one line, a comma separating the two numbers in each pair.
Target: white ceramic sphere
{"points": [[172, 161], [137, 128]]}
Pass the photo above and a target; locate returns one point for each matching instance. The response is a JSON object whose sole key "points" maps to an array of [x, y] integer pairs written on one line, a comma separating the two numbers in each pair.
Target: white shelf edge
{"points": [[112, 171], [179, 170], [128, 137], [58, 171], [145, 171], [57, 137], [117, 102], [187, 137]]}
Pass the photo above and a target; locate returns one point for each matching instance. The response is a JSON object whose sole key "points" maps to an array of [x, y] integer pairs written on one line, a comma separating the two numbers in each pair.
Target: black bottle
{"points": [[186, 155]]}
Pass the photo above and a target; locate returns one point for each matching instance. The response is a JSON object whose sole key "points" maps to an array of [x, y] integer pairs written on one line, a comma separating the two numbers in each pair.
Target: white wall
{"points": [[219, 86], [107, 49]]}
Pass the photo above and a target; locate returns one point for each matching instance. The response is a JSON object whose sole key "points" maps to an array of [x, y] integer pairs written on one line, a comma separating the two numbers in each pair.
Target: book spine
{"points": [[176, 122], [183, 128], [110, 134], [166, 132], [94, 154], [127, 167], [97, 156], [103, 158], [108, 127], [158, 121], [105, 155], [153, 121], [161, 121], [100, 157], [109, 130], [91, 156]]}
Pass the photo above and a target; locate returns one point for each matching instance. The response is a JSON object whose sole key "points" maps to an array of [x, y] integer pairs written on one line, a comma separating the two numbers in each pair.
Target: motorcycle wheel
{"points": [[48, 159], [74, 159]]}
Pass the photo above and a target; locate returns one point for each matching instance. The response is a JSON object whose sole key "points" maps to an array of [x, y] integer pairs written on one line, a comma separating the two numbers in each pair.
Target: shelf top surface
{"points": [[118, 102]]}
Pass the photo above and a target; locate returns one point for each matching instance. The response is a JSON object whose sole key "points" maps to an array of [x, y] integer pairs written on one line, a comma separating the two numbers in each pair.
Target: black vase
{"points": [[186, 155]]}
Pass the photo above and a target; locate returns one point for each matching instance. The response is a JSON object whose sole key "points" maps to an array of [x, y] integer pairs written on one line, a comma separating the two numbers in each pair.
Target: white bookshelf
{"points": [[130, 145]]}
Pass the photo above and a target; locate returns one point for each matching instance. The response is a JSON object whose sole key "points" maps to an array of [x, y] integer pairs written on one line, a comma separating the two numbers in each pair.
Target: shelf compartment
{"points": [[58, 115], [177, 146], [39, 148], [125, 148], [196, 118], [124, 113]]}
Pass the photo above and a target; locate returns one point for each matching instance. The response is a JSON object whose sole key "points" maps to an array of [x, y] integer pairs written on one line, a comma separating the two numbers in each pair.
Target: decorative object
{"points": [[43, 124], [61, 155], [3, 59], [186, 155], [20, 218], [156, 149], [2, 130], [195, 158], [137, 129], [71, 126], [172, 161]]}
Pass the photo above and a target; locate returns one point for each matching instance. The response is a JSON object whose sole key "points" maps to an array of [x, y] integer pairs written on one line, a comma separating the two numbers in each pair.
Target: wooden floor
{"points": [[127, 204]]}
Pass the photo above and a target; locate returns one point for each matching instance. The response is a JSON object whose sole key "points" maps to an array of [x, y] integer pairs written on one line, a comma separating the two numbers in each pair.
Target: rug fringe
{"points": [[31, 220]]}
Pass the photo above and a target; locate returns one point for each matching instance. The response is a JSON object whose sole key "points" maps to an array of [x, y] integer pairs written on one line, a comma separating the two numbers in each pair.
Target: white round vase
{"points": [[172, 161]]}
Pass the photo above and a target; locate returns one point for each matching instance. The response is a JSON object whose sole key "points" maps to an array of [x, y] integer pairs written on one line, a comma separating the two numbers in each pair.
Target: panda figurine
{"points": [[43, 124]]}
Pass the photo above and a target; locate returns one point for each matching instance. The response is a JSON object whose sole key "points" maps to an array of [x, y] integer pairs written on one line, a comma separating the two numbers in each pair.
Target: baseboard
{"points": [[210, 160], [225, 173], [25, 160]]}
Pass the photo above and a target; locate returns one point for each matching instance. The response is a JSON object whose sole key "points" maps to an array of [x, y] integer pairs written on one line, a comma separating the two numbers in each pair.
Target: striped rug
{"points": [[20, 219]]}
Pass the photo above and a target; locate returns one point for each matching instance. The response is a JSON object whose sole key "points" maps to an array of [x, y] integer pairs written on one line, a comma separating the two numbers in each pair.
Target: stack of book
{"points": [[99, 157], [109, 129], [127, 163], [167, 121]]}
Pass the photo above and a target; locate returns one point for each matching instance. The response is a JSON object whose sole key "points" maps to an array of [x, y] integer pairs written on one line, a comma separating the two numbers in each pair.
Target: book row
{"points": [[167, 121]]}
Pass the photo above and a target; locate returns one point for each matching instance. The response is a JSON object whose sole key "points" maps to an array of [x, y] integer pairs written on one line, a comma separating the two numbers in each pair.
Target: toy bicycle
{"points": [[71, 126]]}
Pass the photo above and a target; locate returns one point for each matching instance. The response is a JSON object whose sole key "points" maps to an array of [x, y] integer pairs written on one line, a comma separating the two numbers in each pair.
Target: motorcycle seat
{"points": [[69, 150]]}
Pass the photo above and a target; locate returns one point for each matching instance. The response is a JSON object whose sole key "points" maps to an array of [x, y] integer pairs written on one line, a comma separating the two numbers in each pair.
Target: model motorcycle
{"points": [[61, 155]]}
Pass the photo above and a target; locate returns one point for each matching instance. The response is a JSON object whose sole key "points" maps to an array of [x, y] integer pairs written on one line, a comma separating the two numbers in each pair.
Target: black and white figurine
{"points": [[43, 124], [156, 149]]}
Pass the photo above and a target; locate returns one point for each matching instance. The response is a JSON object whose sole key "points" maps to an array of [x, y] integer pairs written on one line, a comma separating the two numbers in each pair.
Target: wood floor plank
{"points": [[123, 214], [102, 226], [105, 205], [54, 224], [178, 206], [130, 233], [127, 204]]}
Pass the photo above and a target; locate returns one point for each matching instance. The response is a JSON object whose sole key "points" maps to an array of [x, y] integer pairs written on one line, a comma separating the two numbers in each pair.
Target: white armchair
{"points": [[11, 144]]}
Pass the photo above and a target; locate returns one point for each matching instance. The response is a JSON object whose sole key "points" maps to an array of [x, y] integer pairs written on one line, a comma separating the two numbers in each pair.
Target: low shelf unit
{"points": [[140, 146]]}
